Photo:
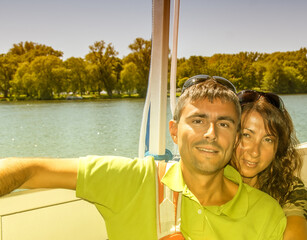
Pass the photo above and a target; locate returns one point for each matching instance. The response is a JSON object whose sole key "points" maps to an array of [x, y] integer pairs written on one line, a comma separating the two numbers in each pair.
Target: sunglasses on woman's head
{"points": [[202, 78], [248, 96]]}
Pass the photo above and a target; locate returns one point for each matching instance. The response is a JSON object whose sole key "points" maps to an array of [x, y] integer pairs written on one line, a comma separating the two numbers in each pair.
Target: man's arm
{"points": [[296, 228], [37, 173]]}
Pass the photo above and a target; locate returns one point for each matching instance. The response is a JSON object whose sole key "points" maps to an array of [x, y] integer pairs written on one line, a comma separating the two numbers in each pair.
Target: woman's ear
{"points": [[173, 129]]}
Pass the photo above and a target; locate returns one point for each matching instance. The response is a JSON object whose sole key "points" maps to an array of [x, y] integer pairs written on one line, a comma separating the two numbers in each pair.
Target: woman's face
{"points": [[257, 147]]}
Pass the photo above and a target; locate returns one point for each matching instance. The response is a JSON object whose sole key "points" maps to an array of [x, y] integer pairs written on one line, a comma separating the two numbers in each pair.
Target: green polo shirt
{"points": [[123, 190]]}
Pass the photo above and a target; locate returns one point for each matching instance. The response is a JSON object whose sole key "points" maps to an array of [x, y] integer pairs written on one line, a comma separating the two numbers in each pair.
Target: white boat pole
{"points": [[174, 57], [159, 60], [157, 87]]}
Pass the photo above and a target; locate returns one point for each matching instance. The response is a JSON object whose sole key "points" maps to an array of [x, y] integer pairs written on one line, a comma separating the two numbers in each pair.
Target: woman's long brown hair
{"points": [[277, 178]]}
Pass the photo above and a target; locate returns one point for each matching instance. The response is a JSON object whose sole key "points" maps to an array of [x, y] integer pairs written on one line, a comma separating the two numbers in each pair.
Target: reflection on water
{"points": [[80, 128]]}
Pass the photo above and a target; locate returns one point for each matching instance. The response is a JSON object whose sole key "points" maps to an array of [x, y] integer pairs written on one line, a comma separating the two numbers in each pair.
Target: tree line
{"points": [[37, 71]]}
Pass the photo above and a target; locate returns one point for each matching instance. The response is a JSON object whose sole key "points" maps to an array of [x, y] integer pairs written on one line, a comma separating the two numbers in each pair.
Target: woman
{"points": [[267, 159]]}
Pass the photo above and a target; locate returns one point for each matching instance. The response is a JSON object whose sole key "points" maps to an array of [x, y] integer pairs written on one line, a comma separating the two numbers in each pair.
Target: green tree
{"points": [[40, 78], [20, 53], [285, 71], [47, 75], [260, 70], [140, 56], [118, 67], [23, 82], [220, 65], [193, 66], [281, 79], [242, 71], [28, 51], [102, 57], [76, 75], [129, 78], [8, 67]]}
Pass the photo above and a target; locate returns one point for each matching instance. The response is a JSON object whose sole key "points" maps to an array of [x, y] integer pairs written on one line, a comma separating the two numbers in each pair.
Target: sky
{"points": [[205, 27]]}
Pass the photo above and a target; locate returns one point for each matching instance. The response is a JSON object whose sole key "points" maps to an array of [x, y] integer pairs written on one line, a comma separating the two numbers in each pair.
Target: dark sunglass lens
{"points": [[202, 78], [225, 83], [248, 96], [194, 80], [274, 100]]}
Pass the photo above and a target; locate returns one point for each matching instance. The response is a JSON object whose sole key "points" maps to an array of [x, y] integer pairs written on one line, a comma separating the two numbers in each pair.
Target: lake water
{"points": [[101, 127]]}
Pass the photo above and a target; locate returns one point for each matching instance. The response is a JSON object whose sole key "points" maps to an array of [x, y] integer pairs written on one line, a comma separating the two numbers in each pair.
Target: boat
{"points": [[73, 97], [57, 213]]}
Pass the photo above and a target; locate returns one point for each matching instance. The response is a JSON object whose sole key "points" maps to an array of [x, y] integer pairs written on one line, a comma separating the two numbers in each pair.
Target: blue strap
{"points": [[167, 156], [147, 132]]}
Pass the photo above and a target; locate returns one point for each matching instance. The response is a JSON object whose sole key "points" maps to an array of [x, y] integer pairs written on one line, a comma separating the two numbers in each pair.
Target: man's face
{"points": [[205, 134]]}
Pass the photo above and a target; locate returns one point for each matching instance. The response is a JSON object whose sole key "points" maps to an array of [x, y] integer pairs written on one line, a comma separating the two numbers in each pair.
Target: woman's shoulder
{"points": [[296, 202], [298, 188], [298, 192]]}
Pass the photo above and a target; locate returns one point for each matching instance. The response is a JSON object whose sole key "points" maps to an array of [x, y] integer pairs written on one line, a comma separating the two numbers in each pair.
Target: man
{"points": [[215, 204]]}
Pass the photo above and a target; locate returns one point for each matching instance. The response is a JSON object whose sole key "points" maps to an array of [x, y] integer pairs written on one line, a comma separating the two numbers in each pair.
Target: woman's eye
{"points": [[246, 135], [269, 140]]}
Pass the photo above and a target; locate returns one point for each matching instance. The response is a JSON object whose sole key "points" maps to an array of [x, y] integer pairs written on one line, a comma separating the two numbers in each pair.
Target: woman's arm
{"points": [[296, 228]]}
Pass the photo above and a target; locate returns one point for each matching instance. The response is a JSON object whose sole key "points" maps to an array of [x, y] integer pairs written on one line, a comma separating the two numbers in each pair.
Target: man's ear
{"points": [[173, 129]]}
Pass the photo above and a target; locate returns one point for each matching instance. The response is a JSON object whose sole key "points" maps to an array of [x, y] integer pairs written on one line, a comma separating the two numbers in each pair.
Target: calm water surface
{"points": [[71, 128], [80, 128]]}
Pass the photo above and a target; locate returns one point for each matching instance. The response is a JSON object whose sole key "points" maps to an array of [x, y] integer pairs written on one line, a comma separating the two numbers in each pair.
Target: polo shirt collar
{"points": [[236, 208]]}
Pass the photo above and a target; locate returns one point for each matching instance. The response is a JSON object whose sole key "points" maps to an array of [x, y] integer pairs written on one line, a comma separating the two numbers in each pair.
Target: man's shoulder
{"points": [[117, 161], [99, 167], [257, 197], [266, 213]]}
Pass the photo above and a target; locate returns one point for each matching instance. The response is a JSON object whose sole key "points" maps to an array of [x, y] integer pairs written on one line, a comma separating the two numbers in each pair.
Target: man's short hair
{"points": [[209, 89]]}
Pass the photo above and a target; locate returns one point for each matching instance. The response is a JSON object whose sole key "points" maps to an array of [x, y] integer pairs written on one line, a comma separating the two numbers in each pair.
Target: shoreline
{"points": [[71, 98]]}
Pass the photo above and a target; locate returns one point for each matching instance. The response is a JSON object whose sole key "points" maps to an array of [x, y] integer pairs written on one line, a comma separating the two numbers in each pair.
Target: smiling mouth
{"points": [[250, 164], [206, 150]]}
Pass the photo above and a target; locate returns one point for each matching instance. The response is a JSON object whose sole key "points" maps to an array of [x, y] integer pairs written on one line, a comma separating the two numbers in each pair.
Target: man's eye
{"points": [[197, 121], [225, 125]]}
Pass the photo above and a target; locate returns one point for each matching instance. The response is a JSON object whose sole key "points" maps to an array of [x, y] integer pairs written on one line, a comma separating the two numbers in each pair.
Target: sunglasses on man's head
{"points": [[202, 78], [248, 96]]}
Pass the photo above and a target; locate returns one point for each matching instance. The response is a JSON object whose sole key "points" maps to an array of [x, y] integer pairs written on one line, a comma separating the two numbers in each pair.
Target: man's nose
{"points": [[210, 133]]}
